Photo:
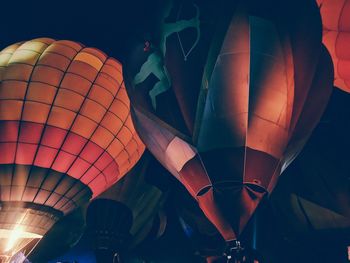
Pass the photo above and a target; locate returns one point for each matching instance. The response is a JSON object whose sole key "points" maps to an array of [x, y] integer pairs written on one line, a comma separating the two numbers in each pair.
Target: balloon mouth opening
{"points": [[203, 191]]}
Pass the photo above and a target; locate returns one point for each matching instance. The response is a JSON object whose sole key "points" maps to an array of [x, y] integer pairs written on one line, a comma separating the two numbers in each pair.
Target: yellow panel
{"points": [[124, 135], [18, 72], [25, 56], [41, 92], [93, 110], [101, 95], [47, 75], [120, 109], [102, 137], [35, 112], [12, 48], [10, 109], [12, 89], [90, 60], [61, 118], [4, 58], [84, 126], [115, 148], [37, 46], [112, 122], [76, 83], [69, 99]]}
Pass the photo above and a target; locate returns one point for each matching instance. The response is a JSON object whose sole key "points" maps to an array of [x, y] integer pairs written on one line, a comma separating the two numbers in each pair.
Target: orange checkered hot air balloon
{"points": [[65, 134], [336, 37]]}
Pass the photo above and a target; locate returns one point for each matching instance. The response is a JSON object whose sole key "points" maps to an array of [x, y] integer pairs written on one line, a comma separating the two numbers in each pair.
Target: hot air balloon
{"points": [[66, 134], [226, 95], [336, 36], [125, 214]]}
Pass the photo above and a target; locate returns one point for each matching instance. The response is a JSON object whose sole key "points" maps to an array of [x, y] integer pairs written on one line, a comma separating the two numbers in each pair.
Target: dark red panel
{"points": [[7, 152], [30, 132], [103, 161], [25, 153], [91, 152], [53, 137], [45, 157], [111, 172], [90, 175], [63, 162], [78, 168], [8, 131], [74, 143]]}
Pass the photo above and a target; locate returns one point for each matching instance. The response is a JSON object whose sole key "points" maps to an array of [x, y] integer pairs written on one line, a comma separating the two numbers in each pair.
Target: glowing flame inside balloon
{"points": [[14, 240]]}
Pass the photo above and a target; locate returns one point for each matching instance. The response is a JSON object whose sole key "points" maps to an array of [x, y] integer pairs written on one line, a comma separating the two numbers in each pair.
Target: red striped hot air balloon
{"points": [[336, 36], [65, 134], [225, 96]]}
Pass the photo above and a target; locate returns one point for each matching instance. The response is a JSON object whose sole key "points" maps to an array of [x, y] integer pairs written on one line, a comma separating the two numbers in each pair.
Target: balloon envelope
{"points": [[336, 36], [221, 94], [65, 133]]}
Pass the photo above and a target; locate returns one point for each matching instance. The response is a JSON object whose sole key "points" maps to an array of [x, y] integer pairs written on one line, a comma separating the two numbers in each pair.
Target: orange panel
{"points": [[71, 44], [122, 157], [124, 135], [115, 148], [120, 109], [62, 49], [98, 53], [83, 69], [101, 95], [54, 60], [76, 83], [93, 110], [102, 137], [41, 92], [131, 147], [123, 96], [10, 109], [69, 100], [47, 75], [17, 72], [112, 122], [108, 83], [12, 89], [84, 126], [35, 112], [113, 73], [61, 118]]}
